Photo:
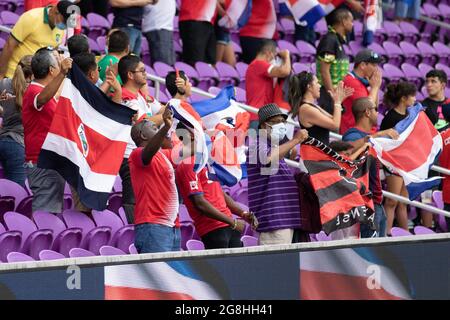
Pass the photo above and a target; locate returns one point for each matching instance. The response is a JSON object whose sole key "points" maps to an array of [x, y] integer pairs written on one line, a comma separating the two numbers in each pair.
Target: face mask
{"points": [[61, 26], [278, 132]]}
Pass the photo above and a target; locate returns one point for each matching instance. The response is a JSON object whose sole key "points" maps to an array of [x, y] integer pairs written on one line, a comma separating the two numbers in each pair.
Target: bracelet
{"points": [[234, 224]]}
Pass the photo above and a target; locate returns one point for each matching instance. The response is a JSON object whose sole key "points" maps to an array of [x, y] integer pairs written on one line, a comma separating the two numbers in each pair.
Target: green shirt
{"points": [[104, 63], [331, 50]]}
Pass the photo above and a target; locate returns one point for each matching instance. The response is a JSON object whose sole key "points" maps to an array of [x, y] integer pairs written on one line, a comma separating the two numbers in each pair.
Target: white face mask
{"points": [[278, 132]]}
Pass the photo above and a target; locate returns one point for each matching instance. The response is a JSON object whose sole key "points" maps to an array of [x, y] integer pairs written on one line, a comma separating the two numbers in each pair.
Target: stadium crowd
{"points": [[339, 96]]}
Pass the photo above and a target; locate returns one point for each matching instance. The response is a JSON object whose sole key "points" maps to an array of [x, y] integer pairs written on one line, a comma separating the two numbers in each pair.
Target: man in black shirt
{"points": [[128, 17], [436, 80], [332, 63]]}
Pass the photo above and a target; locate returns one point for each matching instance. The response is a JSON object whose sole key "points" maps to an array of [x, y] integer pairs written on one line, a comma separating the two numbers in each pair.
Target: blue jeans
{"points": [[135, 39], [380, 224], [12, 158], [150, 237], [161, 46]]}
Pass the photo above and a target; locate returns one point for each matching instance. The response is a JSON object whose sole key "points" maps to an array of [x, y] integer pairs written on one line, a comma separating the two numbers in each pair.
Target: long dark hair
{"points": [[19, 80], [298, 85], [396, 91]]}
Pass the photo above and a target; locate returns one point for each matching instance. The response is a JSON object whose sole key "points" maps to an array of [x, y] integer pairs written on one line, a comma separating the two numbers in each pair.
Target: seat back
{"points": [[108, 219], [400, 232], [110, 251], [46, 220], [16, 221], [50, 255], [249, 241], [194, 245], [75, 219], [18, 257], [80, 252]]}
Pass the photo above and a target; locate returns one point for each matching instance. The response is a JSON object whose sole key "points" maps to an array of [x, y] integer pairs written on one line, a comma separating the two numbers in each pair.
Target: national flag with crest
{"points": [[330, 5], [413, 153], [87, 139], [226, 124], [341, 185]]}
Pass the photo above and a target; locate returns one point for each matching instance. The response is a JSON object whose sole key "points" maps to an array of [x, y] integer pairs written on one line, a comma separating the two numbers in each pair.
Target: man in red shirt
{"points": [[261, 26], [153, 177], [444, 161], [197, 30], [261, 75], [209, 207], [39, 105], [365, 74]]}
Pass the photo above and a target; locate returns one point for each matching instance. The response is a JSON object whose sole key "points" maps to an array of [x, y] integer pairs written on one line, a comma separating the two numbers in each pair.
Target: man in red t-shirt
{"points": [[38, 108], [365, 74], [197, 30], [444, 161], [153, 180], [209, 207], [261, 26], [261, 75]]}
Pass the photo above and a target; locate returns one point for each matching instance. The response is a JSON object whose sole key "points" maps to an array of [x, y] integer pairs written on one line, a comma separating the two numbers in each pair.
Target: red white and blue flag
{"points": [[413, 153], [330, 5], [87, 139], [226, 124], [176, 280], [237, 14], [304, 12], [353, 274]]}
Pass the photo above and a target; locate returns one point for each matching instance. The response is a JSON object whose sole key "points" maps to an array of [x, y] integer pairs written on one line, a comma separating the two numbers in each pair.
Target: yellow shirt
{"points": [[33, 32]]}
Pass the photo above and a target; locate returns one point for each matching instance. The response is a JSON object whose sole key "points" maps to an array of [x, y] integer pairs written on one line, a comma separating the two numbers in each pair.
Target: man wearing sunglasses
{"points": [[365, 113], [35, 29]]}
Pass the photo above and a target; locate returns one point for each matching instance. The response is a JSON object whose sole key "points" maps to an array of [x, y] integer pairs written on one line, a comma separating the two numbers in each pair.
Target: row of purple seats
{"points": [[194, 245]]}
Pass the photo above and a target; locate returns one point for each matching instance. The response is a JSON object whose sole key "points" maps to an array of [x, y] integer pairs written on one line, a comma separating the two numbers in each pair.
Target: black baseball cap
{"points": [[367, 55]]}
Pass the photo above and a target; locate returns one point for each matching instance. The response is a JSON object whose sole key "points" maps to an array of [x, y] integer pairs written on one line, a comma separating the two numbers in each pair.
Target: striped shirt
{"points": [[273, 195]]}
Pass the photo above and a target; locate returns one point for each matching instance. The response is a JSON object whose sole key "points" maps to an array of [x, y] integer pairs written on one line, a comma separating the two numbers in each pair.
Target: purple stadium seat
{"points": [[299, 67], [93, 45], [110, 17], [8, 18], [424, 68], [33, 240], [444, 9], [429, 55], [132, 249], [114, 202], [410, 32], [149, 70], [18, 257], [6, 204], [423, 230], [241, 95], [214, 90], [321, 236], [93, 237], [25, 206], [355, 47], [394, 52], [358, 29], [162, 69], [9, 241], [189, 71], [12, 189], [288, 26], [80, 252], [379, 49], [145, 51], [118, 184], [293, 50], [419, 96], [123, 216], [307, 51], [411, 53], [184, 214], [228, 74], [192, 245], [195, 97], [64, 238], [101, 41], [111, 251], [392, 73], [50, 255], [412, 74], [208, 76], [437, 199], [187, 231], [84, 26], [249, 241], [241, 68], [321, 26], [400, 232], [443, 52], [98, 25], [393, 31], [122, 236]]}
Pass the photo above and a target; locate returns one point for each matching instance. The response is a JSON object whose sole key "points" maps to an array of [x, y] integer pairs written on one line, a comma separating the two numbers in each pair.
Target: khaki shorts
{"points": [[282, 236]]}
